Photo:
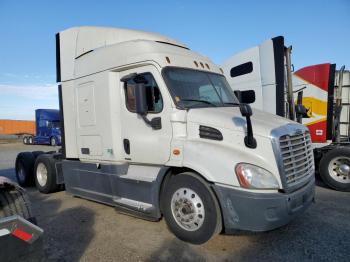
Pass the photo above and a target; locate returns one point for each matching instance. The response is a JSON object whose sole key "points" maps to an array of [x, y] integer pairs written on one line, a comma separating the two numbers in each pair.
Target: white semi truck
{"points": [[154, 129], [317, 96]]}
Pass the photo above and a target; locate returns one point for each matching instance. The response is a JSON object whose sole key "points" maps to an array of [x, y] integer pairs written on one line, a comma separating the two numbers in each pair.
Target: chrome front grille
{"points": [[297, 157]]}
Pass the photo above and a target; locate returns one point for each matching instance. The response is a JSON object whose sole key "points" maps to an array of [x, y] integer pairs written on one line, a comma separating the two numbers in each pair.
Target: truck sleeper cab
{"points": [[154, 129]]}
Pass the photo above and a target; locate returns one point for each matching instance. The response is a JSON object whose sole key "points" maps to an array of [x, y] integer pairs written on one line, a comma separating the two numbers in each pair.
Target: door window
{"points": [[154, 97]]}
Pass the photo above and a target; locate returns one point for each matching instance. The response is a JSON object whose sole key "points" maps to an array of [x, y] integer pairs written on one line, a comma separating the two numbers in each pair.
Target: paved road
{"points": [[77, 229]]}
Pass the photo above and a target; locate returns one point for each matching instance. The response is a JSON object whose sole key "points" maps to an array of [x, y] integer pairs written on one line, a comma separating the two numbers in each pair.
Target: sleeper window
{"points": [[241, 69], [154, 97]]}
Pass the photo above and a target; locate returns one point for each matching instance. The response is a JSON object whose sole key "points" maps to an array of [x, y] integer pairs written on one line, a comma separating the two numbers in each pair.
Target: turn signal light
{"points": [[176, 152], [241, 178]]}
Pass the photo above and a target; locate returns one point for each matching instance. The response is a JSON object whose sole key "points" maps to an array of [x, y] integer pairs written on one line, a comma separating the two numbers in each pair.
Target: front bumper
{"points": [[243, 210]]}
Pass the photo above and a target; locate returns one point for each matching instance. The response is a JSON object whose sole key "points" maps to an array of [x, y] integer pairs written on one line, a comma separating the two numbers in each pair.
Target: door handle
{"points": [[126, 143]]}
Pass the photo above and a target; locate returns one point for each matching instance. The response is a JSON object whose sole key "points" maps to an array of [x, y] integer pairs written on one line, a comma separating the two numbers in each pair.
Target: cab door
{"points": [[41, 132], [141, 142]]}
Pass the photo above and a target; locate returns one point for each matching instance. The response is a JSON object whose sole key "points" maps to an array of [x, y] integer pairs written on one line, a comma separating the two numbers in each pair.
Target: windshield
{"points": [[55, 124], [192, 88]]}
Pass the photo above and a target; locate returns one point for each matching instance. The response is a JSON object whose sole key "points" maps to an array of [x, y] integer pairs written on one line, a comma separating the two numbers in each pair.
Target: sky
{"points": [[319, 32]]}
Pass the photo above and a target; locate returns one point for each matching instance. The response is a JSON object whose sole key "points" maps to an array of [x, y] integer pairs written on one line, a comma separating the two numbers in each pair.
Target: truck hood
{"points": [[231, 118]]}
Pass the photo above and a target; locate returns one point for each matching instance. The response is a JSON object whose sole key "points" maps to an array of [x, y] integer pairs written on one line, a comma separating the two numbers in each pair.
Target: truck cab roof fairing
{"points": [[77, 41], [49, 114]]}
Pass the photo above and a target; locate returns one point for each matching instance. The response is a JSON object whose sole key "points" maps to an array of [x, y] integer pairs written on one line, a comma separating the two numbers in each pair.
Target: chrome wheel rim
{"points": [[187, 209], [339, 169], [41, 174], [21, 173]]}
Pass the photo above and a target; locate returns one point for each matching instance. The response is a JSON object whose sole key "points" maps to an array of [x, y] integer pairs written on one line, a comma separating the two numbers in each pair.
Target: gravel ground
{"points": [[78, 229]]}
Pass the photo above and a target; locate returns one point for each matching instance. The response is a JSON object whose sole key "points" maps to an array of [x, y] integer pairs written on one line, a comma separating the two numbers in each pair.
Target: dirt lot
{"points": [[78, 229]]}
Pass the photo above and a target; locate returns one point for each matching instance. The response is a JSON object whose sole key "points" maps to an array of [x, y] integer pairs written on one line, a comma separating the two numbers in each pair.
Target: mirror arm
{"points": [[148, 122], [155, 123], [249, 139]]}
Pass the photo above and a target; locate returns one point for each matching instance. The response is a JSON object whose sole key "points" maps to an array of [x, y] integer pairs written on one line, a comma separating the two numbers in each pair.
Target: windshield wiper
{"points": [[232, 103], [199, 100]]}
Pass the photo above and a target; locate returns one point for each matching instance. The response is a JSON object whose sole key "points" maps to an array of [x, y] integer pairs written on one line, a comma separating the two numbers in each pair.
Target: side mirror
{"points": [[246, 110], [142, 108], [249, 139], [141, 99], [301, 109], [245, 97]]}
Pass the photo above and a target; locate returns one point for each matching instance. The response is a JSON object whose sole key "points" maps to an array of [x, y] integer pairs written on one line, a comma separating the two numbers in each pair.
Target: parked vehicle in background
{"points": [[16, 223], [317, 96], [48, 128], [153, 128]]}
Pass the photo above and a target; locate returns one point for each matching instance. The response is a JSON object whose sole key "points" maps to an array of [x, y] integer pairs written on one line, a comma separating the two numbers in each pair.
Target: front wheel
{"points": [[335, 168], [190, 208], [53, 141]]}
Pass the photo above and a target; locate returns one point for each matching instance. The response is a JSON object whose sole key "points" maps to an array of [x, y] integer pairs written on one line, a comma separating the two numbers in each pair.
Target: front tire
{"points": [[53, 141], [335, 169], [45, 174], [191, 209]]}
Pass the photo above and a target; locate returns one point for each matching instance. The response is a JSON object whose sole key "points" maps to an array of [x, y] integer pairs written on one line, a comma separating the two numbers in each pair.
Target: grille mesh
{"points": [[297, 157]]}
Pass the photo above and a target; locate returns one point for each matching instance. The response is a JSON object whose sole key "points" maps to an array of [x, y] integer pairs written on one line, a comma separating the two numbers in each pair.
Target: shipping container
{"points": [[14, 127]]}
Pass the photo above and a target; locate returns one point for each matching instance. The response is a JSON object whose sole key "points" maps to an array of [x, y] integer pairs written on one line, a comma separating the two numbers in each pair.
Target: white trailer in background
{"points": [[154, 129], [316, 96]]}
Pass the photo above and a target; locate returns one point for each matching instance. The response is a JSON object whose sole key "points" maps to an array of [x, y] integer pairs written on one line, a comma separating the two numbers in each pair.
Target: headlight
{"points": [[250, 176]]}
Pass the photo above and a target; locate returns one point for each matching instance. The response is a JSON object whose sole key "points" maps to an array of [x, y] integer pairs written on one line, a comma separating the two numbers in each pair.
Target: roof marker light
{"points": [[207, 66], [195, 63], [202, 65]]}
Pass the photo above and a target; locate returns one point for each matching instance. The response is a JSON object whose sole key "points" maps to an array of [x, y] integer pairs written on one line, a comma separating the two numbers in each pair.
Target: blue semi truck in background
{"points": [[48, 128]]}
